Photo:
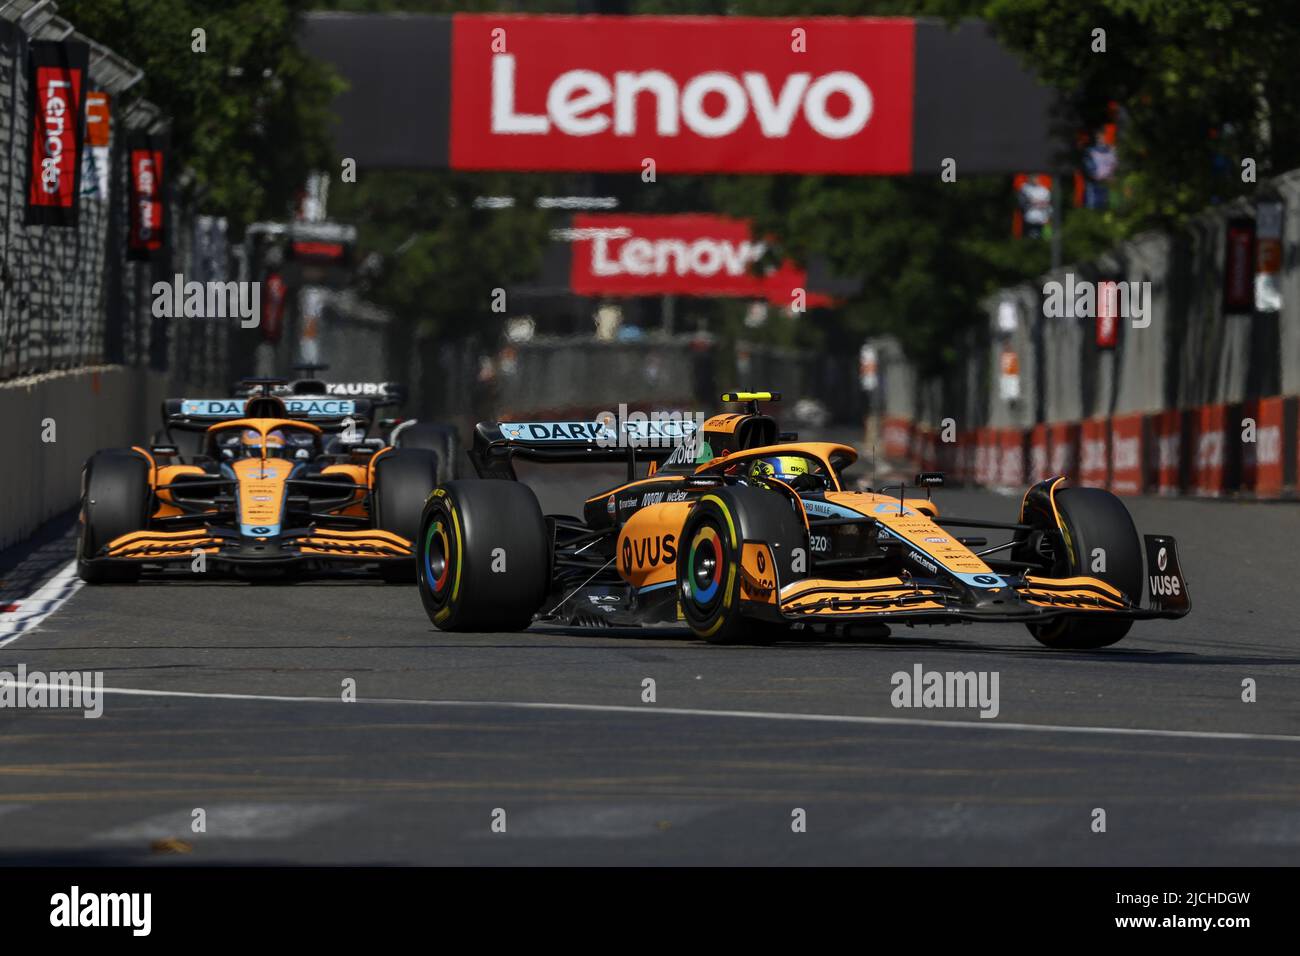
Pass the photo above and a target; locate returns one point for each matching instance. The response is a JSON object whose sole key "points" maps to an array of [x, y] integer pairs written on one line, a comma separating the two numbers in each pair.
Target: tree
{"points": [[250, 116]]}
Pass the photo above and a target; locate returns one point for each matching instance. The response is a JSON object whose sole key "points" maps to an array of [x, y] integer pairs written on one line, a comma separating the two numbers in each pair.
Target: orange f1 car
{"points": [[277, 484], [742, 533]]}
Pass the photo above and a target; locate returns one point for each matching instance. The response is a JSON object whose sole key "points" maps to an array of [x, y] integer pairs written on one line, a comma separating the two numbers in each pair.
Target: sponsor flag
{"points": [[94, 170], [146, 169], [1268, 257], [1009, 375], [1107, 315], [274, 292], [1033, 216], [1239, 267], [55, 104]]}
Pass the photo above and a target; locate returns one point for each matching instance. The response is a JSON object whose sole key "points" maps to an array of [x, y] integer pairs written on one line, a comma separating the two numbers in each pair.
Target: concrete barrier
{"points": [[82, 410]]}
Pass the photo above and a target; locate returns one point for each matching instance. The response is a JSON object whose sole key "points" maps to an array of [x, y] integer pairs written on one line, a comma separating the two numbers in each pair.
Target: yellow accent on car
{"points": [[751, 396]]}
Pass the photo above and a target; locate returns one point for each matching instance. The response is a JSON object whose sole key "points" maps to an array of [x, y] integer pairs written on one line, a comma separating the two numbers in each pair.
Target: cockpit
{"points": [[278, 439]]}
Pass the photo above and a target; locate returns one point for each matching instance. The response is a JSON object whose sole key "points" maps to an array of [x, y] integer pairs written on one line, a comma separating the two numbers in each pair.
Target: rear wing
{"points": [[329, 413], [644, 438], [378, 394]]}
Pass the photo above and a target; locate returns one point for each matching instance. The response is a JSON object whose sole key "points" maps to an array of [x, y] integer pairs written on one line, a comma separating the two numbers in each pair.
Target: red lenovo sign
{"points": [[58, 75], [145, 163], [810, 95], [693, 254]]}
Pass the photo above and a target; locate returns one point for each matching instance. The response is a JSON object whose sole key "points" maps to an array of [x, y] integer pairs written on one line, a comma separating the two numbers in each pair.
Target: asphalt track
{"points": [[412, 772]]}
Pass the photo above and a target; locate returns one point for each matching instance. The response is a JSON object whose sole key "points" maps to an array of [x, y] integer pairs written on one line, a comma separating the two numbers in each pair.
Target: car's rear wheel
{"points": [[1105, 545], [484, 556], [710, 572], [404, 478], [114, 501]]}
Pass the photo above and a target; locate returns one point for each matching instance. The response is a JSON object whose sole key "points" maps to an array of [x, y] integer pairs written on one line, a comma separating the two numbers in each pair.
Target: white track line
{"points": [[40, 604], [741, 714]]}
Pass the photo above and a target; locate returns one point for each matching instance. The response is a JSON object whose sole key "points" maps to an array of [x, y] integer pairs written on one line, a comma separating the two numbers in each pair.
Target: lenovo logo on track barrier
{"points": [[704, 93]]}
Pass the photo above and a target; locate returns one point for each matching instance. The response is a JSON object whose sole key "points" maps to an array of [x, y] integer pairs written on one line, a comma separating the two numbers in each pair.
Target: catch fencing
{"points": [[69, 296], [1196, 396]]}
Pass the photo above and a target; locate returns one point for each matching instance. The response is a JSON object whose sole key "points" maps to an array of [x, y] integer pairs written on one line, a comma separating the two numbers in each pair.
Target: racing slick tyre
{"points": [[709, 561], [1095, 519], [403, 479], [442, 439], [114, 501], [484, 557]]}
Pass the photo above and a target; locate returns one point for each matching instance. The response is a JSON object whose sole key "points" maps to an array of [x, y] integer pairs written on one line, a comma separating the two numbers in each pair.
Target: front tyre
{"points": [[115, 501], [710, 563], [1095, 520], [484, 556]]}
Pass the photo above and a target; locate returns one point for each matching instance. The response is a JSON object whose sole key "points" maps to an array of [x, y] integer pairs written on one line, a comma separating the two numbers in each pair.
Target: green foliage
{"points": [[1204, 84], [249, 117], [441, 258]]}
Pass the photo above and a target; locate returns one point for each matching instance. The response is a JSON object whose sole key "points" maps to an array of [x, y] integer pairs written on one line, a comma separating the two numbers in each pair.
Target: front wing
{"points": [[222, 548], [1029, 600]]}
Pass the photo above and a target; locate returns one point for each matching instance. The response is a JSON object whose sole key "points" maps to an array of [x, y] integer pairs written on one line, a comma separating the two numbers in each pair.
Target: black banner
{"points": [[174, 901], [57, 78], [146, 164]]}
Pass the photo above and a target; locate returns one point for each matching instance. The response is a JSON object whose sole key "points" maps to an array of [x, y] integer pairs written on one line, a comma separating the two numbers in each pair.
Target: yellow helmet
{"points": [[780, 467]]}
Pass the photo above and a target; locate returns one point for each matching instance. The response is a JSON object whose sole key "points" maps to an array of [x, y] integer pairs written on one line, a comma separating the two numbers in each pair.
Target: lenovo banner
{"points": [[55, 104], [643, 94], [693, 254], [690, 95], [145, 170]]}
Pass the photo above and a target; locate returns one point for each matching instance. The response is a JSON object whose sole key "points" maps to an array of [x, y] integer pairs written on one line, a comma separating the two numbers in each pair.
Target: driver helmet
{"points": [[251, 442], [781, 467]]}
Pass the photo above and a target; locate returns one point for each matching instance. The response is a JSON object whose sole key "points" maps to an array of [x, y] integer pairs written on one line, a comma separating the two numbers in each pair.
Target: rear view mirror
{"points": [[929, 479]]}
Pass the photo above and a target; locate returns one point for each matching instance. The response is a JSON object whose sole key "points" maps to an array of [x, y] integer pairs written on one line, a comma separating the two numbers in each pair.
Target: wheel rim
{"points": [[705, 567], [437, 568]]}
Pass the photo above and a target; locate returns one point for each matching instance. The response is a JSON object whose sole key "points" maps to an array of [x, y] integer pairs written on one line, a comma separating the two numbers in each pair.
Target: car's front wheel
{"points": [[1103, 544], [115, 501]]}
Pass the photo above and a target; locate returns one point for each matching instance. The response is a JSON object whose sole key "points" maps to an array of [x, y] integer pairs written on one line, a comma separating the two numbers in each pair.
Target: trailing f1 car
{"points": [[437, 437], [741, 532], [277, 483]]}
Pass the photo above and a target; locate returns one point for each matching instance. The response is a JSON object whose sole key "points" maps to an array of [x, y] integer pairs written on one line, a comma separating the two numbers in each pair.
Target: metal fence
{"points": [[69, 297]]}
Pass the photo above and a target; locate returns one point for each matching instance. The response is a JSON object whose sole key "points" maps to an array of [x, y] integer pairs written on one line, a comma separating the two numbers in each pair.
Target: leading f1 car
{"points": [[745, 534]]}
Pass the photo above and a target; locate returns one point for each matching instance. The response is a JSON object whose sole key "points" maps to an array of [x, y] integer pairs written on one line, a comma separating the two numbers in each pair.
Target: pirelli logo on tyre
{"points": [[697, 94]]}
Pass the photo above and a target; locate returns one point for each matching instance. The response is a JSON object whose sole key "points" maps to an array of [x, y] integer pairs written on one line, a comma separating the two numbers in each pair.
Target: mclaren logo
{"points": [[922, 561]]}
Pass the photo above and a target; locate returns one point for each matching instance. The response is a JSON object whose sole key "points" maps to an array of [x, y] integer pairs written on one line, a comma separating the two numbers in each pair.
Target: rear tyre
{"points": [[1094, 519], [442, 439], [403, 480], [114, 501], [484, 556], [709, 562]]}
